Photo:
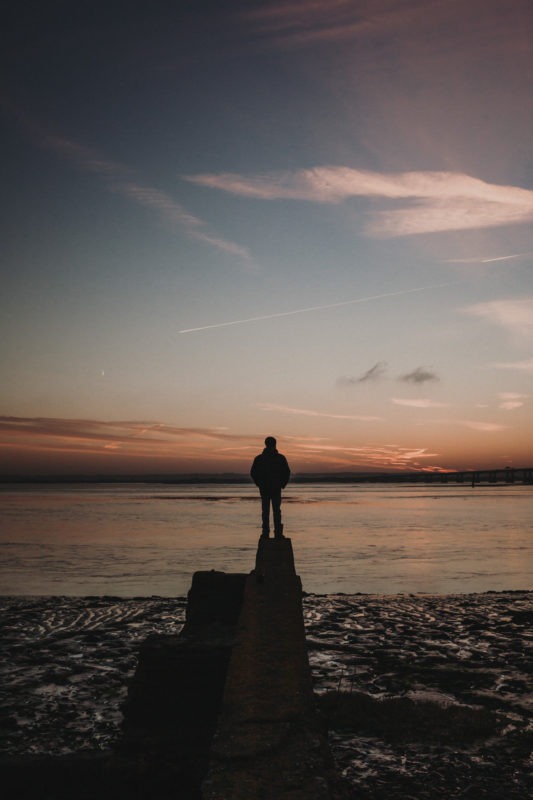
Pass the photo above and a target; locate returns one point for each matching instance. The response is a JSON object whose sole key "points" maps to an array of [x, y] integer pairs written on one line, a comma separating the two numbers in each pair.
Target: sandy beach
{"points": [[424, 696]]}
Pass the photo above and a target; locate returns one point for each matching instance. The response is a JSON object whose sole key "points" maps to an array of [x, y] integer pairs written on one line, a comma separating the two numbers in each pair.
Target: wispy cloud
{"points": [[86, 158], [437, 201], [305, 412], [174, 212], [418, 402], [509, 401], [522, 366], [376, 457], [513, 314], [118, 178], [131, 438], [474, 425], [382, 457], [154, 445], [419, 375], [483, 427], [373, 374], [293, 23], [290, 23]]}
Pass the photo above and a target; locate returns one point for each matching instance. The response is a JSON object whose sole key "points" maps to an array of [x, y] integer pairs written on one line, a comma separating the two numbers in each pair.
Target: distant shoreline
{"points": [[496, 475]]}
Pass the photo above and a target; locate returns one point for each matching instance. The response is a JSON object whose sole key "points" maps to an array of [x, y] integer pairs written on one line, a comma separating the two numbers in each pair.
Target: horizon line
{"points": [[153, 477]]}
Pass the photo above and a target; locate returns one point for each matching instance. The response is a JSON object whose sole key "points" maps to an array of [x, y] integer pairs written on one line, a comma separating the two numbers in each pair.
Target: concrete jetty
{"points": [[174, 698], [268, 742], [225, 710]]}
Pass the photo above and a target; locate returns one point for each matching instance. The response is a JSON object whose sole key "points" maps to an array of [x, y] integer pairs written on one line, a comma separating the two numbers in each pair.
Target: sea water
{"points": [[131, 540]]}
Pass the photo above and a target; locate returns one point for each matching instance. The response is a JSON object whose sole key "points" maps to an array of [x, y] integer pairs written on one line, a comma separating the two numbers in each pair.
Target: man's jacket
{"points": [[270, 470]]}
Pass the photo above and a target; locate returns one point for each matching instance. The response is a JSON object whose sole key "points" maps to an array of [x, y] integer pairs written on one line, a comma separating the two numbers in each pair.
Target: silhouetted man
{"points": [[270, 472]]}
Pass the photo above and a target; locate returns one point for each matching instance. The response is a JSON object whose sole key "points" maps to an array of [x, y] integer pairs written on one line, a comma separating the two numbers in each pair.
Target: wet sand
{"points": [[425, 696]]}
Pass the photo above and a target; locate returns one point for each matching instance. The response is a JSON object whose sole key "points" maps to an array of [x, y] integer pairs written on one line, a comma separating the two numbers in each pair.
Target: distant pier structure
{"points": [[505, 475]]}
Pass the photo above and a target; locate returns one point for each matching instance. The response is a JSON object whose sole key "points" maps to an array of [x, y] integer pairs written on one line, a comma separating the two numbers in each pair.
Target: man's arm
{"points": [[254, 472], [286, 472]]}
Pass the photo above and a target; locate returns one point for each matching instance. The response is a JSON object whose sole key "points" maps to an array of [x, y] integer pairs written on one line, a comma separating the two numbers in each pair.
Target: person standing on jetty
{"points": [[270, 472]]}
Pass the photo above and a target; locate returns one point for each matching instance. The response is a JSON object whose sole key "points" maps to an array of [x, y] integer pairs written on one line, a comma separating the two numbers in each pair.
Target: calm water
{"points": [[148, 539]]}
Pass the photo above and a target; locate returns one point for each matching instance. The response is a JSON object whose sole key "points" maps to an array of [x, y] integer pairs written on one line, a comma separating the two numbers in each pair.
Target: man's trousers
{"points": [[271, 496]]}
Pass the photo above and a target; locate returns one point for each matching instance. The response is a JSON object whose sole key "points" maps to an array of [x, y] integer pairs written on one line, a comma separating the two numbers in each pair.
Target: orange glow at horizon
{"points": [[87, 447]]}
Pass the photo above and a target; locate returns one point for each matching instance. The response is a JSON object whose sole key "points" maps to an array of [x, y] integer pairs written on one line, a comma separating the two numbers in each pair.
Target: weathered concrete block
{"points": [[269, 744], [214, 598], [175, 695]]}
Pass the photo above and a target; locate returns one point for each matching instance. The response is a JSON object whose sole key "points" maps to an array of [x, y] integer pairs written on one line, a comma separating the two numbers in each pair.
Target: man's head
{"points": [[270, 442]]}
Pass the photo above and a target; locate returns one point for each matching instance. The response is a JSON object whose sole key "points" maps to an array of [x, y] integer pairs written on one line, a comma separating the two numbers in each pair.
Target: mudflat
{"points": [[428, 696]]}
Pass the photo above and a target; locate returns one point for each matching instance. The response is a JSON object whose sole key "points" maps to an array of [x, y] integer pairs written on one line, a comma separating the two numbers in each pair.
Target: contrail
{"points": [[502, 258], [313, 308], [478, 260]]}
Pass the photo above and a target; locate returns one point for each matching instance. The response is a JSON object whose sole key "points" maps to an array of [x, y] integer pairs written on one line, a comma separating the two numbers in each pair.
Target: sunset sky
{"points": [[222, 220]]}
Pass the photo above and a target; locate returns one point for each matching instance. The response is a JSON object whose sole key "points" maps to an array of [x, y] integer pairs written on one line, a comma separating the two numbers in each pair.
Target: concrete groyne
{"points": [[268, 742], [225, 710]]}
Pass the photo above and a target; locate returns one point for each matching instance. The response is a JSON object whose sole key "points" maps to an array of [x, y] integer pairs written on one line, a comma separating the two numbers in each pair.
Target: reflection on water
{"points": [[140, 540]]}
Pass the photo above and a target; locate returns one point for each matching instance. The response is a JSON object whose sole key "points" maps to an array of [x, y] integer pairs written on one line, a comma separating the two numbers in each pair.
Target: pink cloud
{"points": [[135, 438], [310, 413], [474, 425], [418, 403], [382, 457], [298, 24], [483, 427], [513, 314], [509, 401], [522, 366], [437, 201]]}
